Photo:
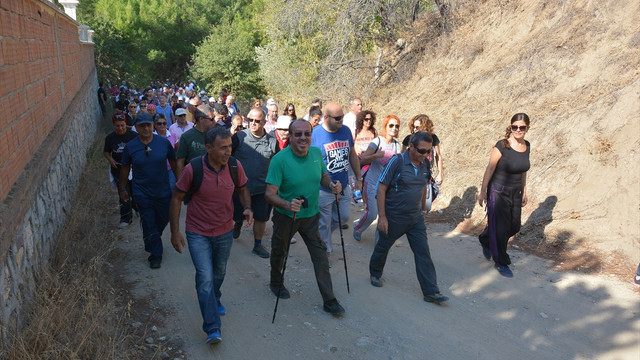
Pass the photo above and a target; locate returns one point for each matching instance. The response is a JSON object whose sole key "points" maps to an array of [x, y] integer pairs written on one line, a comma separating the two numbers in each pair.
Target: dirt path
{"points": [[539, 314]]}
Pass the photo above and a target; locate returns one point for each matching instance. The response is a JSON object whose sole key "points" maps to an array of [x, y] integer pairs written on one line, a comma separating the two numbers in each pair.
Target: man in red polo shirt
{"points": [[209, 223]]}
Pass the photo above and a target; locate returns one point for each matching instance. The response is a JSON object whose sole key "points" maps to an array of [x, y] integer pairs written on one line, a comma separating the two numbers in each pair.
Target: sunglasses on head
{"points": [[391, 126], [423, 151], [516, 127]]}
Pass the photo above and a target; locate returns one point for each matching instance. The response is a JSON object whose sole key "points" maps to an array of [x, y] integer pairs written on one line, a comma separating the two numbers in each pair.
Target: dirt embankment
{"points": [[573, 67]]}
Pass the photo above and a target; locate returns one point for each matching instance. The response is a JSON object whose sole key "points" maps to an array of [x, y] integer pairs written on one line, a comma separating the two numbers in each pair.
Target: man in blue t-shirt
{"points": [[336, 143], [147, 155]]}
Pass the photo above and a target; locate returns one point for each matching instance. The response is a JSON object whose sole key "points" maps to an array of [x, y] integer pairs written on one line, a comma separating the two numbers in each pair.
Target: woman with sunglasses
{"points": [[377, 155], [290, 110], [504, 192], [365, 131], [422, 122]]}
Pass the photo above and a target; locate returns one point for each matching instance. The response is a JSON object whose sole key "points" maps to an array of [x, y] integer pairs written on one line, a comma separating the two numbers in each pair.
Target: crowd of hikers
{"points": [[176, 145]]}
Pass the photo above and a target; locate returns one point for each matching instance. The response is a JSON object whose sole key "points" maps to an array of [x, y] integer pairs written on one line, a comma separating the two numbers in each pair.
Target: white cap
{"points": [[180, 111], [271, 102], [202, 92], [283, 122]]}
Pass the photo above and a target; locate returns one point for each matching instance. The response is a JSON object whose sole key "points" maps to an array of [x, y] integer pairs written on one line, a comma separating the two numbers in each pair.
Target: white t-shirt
{"points": [[349, 120]]}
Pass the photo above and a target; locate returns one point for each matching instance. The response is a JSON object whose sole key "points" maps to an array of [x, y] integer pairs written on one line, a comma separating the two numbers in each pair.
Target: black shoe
{"points": [[345, 226], [375, 281], [281, 290], [504, 270], [237, 228], [435, 298], [155, 263], [333, 307], [487, 253], [260, 251]]}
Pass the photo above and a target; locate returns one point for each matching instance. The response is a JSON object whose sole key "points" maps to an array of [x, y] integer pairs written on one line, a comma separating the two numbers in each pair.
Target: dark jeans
{"points": [[417, 237], [126, 214], [308, 230], [154, 217], [504, 209]]}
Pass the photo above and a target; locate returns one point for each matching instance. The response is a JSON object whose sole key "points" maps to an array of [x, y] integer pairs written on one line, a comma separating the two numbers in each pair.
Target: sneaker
{"points": [[345, 226], [436, 298], [293, 240], [123, 224], [504, 270], [260, 251], [155, 263], [237, 228], [333, 307], [375, 281], [284, 293], [356, 235], [214, 337], [221, 309], [486, 252]]}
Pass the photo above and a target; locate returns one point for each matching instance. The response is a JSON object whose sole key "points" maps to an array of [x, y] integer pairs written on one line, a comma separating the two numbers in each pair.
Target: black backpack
{"points": [[198, 174]]}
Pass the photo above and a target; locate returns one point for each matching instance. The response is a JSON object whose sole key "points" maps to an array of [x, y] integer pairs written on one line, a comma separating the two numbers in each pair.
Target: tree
{"points": [[227, 59]]}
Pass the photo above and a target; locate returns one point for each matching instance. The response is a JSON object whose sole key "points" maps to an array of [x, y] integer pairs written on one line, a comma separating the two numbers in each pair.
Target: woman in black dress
{"points": [[504, 192]]}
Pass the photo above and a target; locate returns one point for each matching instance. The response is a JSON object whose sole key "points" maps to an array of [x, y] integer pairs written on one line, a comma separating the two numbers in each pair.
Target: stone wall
{"points": [[49, 117]]}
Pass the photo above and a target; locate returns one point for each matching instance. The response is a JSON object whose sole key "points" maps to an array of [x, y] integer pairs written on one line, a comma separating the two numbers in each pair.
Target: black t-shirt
{"points": [[436, 141], [114, 145], [122, 104], [104, 94], [511, 166]]}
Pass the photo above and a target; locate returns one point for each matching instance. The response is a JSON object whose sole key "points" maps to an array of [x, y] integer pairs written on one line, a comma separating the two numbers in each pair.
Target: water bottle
{"points": [[357, 196]]}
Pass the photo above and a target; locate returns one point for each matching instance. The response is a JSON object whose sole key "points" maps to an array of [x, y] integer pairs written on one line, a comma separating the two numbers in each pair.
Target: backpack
{"points": [[198, 174]]}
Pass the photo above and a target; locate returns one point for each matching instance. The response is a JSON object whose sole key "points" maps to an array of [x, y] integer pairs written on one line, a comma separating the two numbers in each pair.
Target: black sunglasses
{"points": [[336, 118], [146, 150], [299, 134], [521, 127], [250, 120], [423, 151], [397, 126], [161, 123]]}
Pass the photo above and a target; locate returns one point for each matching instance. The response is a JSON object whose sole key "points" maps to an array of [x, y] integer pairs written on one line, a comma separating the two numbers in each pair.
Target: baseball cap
{"points": [[271, 102], [181, 111], [144, 118], [283, 122], [202, 92], [151, 107]]}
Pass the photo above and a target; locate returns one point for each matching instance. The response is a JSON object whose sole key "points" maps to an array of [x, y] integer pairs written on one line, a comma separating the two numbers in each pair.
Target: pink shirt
{"points": [[210, 211]]}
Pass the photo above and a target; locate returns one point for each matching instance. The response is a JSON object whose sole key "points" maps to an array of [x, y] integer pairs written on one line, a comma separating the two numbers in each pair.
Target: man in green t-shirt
{"points": [[191, 143], [294, 172]]}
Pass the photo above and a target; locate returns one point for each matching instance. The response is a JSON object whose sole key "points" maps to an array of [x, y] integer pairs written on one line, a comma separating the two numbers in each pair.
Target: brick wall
{"points": [[49, 114], [42, 67]]}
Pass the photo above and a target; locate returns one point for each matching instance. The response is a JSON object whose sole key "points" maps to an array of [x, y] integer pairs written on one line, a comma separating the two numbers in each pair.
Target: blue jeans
{"points": [[209, 255], [154, 217], [328, 211], [417, 237]]}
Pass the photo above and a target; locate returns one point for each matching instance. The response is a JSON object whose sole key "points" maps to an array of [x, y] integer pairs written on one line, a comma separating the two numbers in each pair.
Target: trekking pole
{"points": [[304, 205], [344, 255]]}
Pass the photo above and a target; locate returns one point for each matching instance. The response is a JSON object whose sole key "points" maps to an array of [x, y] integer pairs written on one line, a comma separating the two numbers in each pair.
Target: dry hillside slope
{"points": [[573, 66]]}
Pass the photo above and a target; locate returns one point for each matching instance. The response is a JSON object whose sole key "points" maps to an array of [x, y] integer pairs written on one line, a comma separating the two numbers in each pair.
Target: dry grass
{"points": [[572, 67], [77, 313]]}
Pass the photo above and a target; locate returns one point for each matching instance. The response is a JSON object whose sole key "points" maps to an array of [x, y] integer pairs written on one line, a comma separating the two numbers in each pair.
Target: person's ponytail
{"points": [[505, 142]]}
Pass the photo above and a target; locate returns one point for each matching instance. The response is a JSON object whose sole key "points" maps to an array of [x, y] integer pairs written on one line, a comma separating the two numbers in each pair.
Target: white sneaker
{"points": [[123, 225], [293, 240]]}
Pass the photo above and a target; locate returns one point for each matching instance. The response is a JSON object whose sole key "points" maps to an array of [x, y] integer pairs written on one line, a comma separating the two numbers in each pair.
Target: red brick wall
{"points": [[42, 67]]}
